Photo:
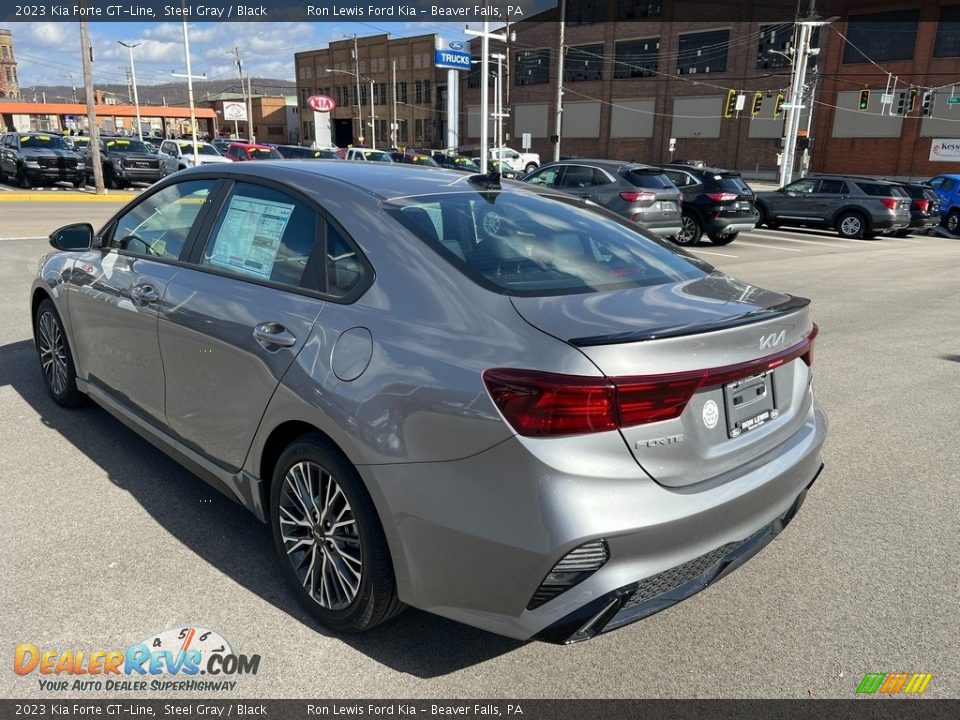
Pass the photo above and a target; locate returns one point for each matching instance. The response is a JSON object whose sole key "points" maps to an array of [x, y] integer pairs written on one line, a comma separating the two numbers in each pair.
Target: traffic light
{"points": [[913, 100], [757, 102], [901, 103], [864, 99], [778, 105], [731, 105], [926, 102]]}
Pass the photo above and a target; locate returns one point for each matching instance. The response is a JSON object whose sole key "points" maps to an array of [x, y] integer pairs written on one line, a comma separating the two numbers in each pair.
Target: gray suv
{"points": [[496, 403], [638, 192], [855, 206]]}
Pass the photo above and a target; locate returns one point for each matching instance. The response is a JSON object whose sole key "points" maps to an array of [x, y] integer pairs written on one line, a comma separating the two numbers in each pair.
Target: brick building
{"points": [[270, 117], [420, 89], [639, 73], [9, 85], [920, 43]]}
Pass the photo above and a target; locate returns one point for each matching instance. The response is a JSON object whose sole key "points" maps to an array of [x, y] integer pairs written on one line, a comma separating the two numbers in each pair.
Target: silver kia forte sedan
{"points": [[490, 402]]}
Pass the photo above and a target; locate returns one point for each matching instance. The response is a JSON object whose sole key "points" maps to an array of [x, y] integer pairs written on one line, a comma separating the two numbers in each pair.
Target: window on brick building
{"points": [[948, 33], [583, 63], [882, 37], [703, 52], [637, 9], [532, 67], [584, 12], [636, 58]]}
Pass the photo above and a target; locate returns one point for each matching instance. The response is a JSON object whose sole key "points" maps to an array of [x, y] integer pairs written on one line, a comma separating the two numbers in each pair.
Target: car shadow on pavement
{"points": [[228, 537]]}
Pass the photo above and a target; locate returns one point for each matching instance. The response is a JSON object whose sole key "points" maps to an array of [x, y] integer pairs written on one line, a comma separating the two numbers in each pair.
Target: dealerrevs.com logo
{"points": [[188, 658]]}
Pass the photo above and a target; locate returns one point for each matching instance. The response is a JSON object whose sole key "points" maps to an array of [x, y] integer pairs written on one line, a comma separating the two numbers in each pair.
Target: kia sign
{"points": [[234, 111], [452, 59], [321, 103], [945, 150]]}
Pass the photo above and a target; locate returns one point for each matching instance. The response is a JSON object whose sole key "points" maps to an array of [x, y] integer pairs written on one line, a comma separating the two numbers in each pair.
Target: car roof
{"points": [[700, 169], [254, 146], [382, 180], [601, 163]]}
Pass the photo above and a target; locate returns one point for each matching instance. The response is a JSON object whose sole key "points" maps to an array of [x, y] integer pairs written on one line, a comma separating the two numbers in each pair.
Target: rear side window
{"points": [[731, 183], [527, 245], [881, 190], [576, 176], [831, 187], [345, 270], [263, 234], [651, 180]]}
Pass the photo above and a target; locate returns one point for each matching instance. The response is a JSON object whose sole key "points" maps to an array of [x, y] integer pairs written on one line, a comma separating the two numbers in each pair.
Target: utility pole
{"points": [[356, 75], [247, 99], [189, 76], [498, 101], [559, 119], [133, 82], [73, 86], [485, 37], [373, 120], [86, 54], [805, 158], [396, 127]]}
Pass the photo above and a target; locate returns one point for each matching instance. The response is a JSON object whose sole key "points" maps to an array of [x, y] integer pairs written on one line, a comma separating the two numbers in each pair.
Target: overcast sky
{"points": [[47, 52]]}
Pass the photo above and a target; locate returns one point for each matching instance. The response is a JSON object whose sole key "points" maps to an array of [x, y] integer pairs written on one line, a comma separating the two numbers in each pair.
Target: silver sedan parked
{"points": [[493, 403]]}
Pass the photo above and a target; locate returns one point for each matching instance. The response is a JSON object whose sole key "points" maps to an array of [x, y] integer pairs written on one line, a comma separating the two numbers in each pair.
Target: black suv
{"points": [[35, 158], [716, 202], [125, 161], [924, 207]]}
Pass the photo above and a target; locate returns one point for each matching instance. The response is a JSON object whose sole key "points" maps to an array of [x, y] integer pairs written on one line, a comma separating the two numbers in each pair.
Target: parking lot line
{"points": [[795, 240], [707, 252], [771, 247], [859, 240], [37, 237], [906, 240]]}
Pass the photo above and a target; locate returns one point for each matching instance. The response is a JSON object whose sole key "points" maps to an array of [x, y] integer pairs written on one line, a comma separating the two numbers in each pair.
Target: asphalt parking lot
{"points": [[104, 540]]}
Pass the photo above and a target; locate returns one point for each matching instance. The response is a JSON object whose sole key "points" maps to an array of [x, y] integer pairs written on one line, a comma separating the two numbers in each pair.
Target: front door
{"points": [[117, 290], [236, 318]]}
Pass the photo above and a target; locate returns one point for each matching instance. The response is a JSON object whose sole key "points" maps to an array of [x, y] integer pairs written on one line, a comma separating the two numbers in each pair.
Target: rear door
{"points": [[238, 315], [830, 195]]}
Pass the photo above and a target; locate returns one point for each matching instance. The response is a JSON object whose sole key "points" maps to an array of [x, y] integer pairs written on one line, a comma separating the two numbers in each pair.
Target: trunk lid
{"points": [[714, 323]]}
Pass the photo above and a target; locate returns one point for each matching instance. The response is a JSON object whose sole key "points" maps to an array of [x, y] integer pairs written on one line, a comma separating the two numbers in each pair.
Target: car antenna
{"points": [[490, 181]]}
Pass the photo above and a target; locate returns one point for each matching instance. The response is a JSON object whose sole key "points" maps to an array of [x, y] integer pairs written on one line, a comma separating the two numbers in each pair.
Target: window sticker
{"points": [[249, 239]]}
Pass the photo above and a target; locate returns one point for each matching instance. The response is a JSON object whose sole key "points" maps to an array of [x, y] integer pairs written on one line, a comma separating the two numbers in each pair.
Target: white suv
{"points": [[182, 150]]}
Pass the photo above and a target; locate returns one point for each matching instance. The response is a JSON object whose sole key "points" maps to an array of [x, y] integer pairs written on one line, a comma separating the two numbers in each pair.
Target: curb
{"points": [[65, 196]]}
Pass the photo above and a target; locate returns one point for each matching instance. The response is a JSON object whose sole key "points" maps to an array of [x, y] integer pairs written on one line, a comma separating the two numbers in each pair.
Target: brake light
{"points": [[722, 196], [637, 195], [922, 205], [889, 203], [549, 404]]}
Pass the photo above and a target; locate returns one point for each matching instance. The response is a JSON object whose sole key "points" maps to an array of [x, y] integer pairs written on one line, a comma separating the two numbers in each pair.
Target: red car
{"points": [[239, 152]]}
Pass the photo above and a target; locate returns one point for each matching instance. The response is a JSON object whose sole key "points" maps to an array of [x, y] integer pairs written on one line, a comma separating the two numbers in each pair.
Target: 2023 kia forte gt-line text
{"points": [[492, 403]]}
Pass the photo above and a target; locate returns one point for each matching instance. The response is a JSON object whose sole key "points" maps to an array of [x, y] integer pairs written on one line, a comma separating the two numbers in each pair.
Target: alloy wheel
{"points": [[53, 354], [688, 231], [953, 222], [320, 535], [851, 226]]}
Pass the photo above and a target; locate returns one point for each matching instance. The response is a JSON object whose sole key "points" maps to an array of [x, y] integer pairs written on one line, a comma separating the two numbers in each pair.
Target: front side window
{"points": [[526, 245], [159, 226], [546, 177], [801, 187], [263, 234]]}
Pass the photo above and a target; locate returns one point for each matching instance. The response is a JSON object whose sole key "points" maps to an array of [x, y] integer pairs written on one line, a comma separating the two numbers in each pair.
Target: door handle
{"points": [[274, 334], [144, 294]]}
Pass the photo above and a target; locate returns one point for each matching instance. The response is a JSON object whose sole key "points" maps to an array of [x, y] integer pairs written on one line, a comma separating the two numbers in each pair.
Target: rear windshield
{"points": [[651, 179], [881, 190], [51, 142], [527, 245], [730, 183]]}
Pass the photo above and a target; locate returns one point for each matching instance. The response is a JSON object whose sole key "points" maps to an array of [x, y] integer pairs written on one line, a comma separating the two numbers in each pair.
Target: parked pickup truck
{"points": [[521, 162]]}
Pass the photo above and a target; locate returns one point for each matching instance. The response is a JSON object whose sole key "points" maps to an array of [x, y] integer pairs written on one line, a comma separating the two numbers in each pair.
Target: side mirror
{"points": [[73, 238]]}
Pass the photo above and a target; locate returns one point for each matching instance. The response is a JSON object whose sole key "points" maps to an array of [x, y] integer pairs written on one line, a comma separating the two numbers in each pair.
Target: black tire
{"points": [[690, 231], [110, 180], [79, 182], [3, 176], [851, 225], [765, 218], [53, 348], [717, 239], [374, 600], [952, 222], [23, 180]]}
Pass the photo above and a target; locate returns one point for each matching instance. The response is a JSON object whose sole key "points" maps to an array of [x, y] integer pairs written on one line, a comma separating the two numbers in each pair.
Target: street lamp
{"points": [[373, 122], [133, 81]]}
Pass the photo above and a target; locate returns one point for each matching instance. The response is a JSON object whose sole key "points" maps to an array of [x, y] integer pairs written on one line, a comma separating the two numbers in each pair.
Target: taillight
{"points": [[889, 203], [541, 403], [722, 196], [637, 195], [922, 205]]}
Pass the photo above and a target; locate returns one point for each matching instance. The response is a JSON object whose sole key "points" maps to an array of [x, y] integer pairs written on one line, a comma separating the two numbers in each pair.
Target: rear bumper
{"points": [[473, 539], [924, 221], [663, 228], [889, 223], [729, 225]]}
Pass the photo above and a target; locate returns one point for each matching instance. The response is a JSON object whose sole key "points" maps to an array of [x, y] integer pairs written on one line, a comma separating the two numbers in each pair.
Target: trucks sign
{"points": [[452, 59]]}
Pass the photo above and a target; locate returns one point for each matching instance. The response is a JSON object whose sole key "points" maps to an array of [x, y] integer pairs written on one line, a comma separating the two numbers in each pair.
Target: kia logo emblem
{"points": [[321, 103]]}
